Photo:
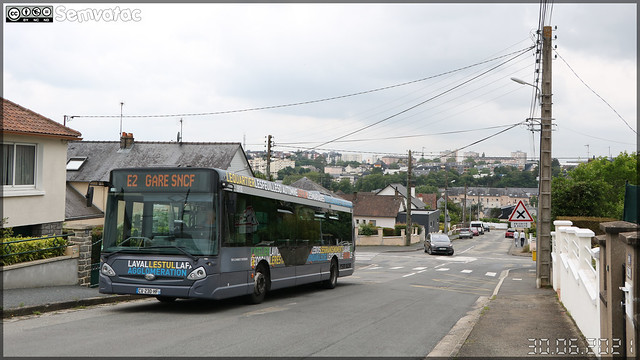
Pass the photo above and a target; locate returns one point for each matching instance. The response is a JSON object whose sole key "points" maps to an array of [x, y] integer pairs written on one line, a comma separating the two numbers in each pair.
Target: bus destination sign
{"points": [[162, 179]]}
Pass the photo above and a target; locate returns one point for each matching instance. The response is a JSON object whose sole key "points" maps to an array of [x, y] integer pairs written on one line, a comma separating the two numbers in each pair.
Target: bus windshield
{"points": [[164, 223]]}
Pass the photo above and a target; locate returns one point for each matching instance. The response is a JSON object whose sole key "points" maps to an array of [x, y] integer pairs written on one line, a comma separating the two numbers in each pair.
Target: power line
{"points": [[303, 102], [425, 101], [410, 136], [600, 97]]}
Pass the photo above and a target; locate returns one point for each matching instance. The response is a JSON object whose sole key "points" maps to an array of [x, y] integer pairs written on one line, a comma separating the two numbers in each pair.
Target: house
{"points": [[430, 219], [378, 210], [34, 152], [401, 190], [92, 161], [429, 200], [310, 185]]}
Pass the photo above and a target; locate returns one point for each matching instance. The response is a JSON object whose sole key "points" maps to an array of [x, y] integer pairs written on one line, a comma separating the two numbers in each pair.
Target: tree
{"points": [[595, 188]]}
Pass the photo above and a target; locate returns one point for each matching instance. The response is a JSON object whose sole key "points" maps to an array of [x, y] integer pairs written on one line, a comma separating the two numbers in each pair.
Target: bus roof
{"points": [[277, 188]]}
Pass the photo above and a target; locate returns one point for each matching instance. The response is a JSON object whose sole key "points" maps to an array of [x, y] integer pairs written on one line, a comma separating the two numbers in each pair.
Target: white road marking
{"points": [[365, 256], [442, 269], [374, 268], [466, 271], [419, 268], [517, 279], [492, 274], [411, 274], [397, 267], [421, 271]]}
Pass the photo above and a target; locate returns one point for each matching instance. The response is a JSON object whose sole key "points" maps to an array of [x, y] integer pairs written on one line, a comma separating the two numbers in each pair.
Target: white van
{"points": [[478, 225]]}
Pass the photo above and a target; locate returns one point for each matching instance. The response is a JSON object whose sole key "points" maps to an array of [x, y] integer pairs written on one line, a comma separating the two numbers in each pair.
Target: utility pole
{"points": [[464, 208], [409, 229], [543, 261], [269, 157]]}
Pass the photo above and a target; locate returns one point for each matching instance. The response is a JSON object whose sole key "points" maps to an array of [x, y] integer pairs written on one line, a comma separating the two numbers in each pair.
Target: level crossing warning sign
{"points": [[520, 217]]}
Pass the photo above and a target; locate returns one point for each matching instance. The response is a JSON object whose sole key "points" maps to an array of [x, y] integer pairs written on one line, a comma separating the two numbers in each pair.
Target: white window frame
{"points": [[12, 189]]}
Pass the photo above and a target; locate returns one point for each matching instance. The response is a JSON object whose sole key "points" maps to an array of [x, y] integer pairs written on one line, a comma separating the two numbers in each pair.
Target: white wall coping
{"points": [[581, 232], [562, 223]]}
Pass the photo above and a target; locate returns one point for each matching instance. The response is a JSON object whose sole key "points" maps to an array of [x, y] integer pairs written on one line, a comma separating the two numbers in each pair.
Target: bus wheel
{"points": [[260, 285], [166, 299], [333, 275]]}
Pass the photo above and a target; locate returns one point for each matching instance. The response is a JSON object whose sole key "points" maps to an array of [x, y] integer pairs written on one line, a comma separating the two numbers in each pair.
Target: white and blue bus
{"points": [[207, 233]]}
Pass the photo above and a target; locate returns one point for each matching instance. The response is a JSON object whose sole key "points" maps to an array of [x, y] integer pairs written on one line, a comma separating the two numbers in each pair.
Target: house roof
{"points": [[372, 205], [309, 185], [17, 119], [76, 206], [103, 156], [402, 191]]}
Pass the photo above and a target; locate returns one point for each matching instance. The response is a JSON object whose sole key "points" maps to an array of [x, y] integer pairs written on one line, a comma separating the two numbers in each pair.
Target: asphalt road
{"points": [[396, 304]]}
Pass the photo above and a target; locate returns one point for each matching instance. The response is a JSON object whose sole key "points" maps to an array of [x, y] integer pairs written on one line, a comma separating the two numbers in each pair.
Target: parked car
{"points": [[438, 243], [465, 233], [475, 231], [509, 233]]}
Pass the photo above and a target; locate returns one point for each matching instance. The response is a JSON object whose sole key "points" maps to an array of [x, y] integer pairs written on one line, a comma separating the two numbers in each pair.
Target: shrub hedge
{"points": [[29, 250]]}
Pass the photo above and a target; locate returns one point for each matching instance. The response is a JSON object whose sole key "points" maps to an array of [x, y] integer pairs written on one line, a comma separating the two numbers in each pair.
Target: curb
{"points": [[30, 310]]}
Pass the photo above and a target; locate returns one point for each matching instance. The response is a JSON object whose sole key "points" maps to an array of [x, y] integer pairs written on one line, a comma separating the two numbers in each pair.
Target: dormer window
{"points": [[75, 163]]}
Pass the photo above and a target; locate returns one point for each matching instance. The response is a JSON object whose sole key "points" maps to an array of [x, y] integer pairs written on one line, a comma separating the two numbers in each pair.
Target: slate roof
{"points": [[76, 206], [307, 184], [103, 156], [19, 120], [402, 191], [372, 205]]}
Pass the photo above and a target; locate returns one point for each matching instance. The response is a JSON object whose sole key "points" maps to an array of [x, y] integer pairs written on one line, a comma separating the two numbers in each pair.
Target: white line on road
{"points": [[492, 274], [419, 268], [411, 274], [466, 271], [397, 267], [442, 269]]}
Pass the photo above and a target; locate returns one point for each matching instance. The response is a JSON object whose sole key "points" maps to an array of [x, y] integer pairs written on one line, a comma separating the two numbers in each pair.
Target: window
{"points": [[18, 164], [75, 163]]}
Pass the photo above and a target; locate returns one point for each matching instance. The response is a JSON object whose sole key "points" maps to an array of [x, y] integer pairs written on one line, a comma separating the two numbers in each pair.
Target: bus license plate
{"points": [[147, 291]]}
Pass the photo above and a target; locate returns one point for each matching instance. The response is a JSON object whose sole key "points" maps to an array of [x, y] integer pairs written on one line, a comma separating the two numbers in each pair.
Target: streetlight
{"points": [[524, 82]]}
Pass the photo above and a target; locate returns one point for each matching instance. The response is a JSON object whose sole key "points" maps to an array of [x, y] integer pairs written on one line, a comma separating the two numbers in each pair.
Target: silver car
{"points": [[465, 233]]}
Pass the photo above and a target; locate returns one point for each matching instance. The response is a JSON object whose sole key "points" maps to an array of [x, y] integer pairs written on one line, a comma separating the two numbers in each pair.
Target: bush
{"points": [[367, 229], [13, 253], [388, 232], [587, 222]]}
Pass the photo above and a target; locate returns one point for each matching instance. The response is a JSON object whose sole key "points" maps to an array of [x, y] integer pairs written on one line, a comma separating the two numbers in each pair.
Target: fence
{"points": [[576, 275], [9, 247]]}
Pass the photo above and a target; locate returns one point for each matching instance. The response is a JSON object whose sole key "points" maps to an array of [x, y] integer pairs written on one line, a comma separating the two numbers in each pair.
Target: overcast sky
{"points": [[172, 59]]}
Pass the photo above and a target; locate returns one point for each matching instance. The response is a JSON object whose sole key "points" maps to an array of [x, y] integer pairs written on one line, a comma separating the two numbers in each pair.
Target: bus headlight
{"points": [[197, 274], [107, 270]]}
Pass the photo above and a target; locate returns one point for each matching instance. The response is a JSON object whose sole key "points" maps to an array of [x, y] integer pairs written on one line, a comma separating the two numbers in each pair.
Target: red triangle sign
{"points": [[520, 213]]}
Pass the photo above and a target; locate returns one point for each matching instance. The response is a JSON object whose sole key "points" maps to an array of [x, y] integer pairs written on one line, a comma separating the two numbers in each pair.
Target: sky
{"points": [[371, 79]]}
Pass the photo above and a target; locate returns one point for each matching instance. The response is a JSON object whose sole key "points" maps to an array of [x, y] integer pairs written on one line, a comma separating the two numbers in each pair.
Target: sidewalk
{"points": [[519, 320], [18, 302]]}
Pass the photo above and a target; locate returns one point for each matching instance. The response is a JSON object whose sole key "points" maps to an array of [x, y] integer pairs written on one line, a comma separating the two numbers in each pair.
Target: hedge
{"points": [[28, 250]]}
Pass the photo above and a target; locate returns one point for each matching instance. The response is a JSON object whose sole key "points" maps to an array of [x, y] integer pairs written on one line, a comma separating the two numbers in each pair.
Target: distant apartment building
{"points": [[490, 198], [275, 166], [352, 157], [447, 154], [470, 154]]}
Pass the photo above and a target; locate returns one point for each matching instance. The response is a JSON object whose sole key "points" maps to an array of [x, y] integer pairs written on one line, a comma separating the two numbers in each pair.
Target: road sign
{"points": [[520, 213], [520, 225]]}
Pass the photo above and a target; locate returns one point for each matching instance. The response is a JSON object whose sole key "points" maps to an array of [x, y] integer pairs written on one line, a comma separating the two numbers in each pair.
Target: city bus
{"points": [[175, 233]]}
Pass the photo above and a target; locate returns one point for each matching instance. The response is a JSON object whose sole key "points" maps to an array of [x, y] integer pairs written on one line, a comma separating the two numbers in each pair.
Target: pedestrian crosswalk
{"points": [[410, 271]]}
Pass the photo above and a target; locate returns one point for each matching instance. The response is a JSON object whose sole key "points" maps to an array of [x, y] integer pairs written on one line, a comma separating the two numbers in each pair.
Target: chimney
{"points": [[126, 140]]}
